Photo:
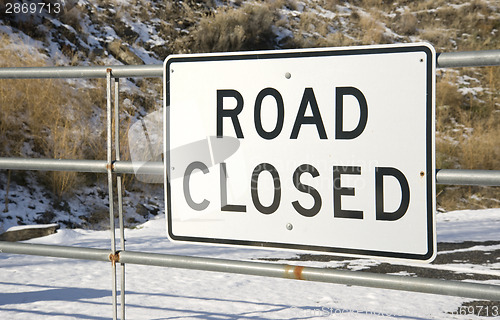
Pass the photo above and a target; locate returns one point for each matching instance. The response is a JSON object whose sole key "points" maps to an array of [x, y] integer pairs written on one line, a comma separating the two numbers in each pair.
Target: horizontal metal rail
{"points": [[482, 58], [53, 165], [96, 166], [444, 60], [366, 279], [443, 176], [55, 251], [468, 177], [118, 71]]}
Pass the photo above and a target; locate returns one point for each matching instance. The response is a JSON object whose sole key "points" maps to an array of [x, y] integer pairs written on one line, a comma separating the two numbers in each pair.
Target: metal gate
{"points": [[114, 168]]}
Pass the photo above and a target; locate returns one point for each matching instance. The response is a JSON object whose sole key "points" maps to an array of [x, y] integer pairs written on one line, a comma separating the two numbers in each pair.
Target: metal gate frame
{"points": [[116, 167]]}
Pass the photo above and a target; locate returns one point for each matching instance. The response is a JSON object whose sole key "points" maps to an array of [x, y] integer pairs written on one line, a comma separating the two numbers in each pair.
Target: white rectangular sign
{"points": [[327, 150]]}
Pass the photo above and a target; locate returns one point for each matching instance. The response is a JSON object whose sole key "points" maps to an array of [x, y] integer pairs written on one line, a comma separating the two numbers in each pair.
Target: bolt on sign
{"points": [[326, 150]]}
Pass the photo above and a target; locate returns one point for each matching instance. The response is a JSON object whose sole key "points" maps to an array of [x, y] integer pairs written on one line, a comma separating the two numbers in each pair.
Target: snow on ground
{"points": [[479, 225], [39, 287]]}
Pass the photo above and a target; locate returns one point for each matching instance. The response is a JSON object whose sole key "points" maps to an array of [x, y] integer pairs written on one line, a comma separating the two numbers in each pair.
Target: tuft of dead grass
{"points": [[372, 31], [234, 29], [407, 24]]}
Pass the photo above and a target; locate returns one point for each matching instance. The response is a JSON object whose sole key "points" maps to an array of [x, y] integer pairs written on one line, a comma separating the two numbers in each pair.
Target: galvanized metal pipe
{"points": [[468, 177], [358, 278], [153, 168], [444, 60], [109, 152], [97, 166], [109, 158], [443, 176], [119, 194], [481, 58], [55, 251], [119, 71]]}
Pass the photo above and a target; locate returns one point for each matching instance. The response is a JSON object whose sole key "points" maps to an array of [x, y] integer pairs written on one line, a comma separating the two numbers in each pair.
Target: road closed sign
{"points": [[326, 150]]}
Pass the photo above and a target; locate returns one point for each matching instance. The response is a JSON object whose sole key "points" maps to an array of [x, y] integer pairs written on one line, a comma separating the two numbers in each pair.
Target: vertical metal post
{"points": [[109, 164], [119, 194]]}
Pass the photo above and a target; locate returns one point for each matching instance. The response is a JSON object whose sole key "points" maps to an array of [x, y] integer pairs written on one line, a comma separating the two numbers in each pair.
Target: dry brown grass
{"points": [[468, 132], [234, 29], [468, 122], [407, 24], [372, 31], [44, 118]]}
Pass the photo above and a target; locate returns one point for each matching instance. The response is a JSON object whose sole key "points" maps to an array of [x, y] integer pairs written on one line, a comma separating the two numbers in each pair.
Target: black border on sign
{"points": [[305, 54]]}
